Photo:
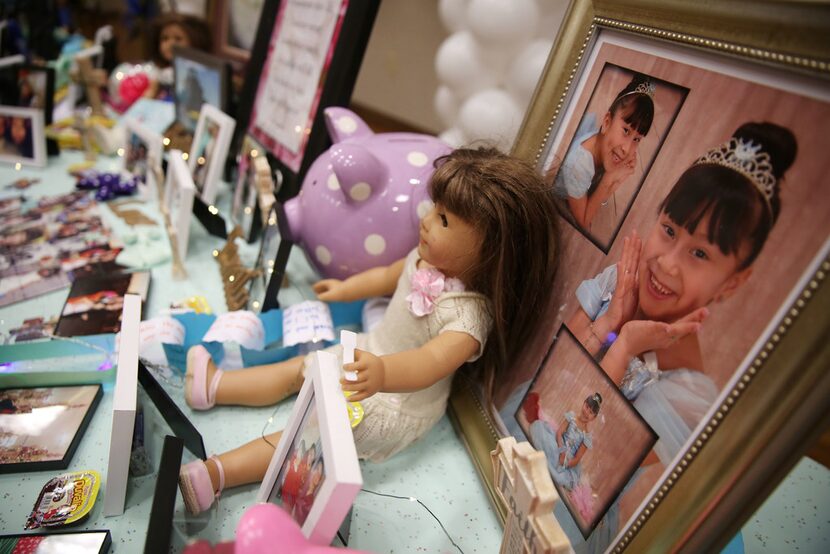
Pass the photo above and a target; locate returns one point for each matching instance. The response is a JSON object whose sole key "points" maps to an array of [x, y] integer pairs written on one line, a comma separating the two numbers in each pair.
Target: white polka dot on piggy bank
{"points": [[360, 202]]}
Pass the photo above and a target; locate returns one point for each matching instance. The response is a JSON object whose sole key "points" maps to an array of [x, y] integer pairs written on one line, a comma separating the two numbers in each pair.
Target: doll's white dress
{"points": [[392, 421], [577, 169]]}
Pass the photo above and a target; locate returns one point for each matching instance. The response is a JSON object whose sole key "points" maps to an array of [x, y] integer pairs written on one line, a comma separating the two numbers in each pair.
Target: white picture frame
{"points": [[209, 150], [30, 149], [318, 424], [123, 408], [136, 163], [179, 191]]}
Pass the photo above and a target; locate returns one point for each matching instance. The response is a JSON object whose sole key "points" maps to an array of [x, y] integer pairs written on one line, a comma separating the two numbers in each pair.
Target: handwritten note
{"points": [[241, 327], [289, 92], [308, 321], [155, 332]]}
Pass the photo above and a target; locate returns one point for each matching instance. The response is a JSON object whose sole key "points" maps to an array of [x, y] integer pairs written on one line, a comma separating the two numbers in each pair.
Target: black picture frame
{"points": [[69, 451], [172, 414], [9, 541], [338, 81], [160, 524]]}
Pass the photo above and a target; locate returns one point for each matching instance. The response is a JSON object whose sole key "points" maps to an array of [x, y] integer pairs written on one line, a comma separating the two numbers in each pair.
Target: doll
{"points": [[169, 31], [603, 154], [486, 256]]}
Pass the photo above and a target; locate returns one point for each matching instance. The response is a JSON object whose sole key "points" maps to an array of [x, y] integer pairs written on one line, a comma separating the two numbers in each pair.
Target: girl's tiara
{"points": [[745, 157], [646, 87]]}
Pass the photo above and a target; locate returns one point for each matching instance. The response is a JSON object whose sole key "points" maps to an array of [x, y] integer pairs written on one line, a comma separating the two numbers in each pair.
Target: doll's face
{"points": [[172, 35], [680, 272], [448, 242], [618, 141]]}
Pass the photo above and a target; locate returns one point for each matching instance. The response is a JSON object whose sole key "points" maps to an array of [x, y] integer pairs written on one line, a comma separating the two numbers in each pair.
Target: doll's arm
{"points": [[378, 281], [410, 370]]}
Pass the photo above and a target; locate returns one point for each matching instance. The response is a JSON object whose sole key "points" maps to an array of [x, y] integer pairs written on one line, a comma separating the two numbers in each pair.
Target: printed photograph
{"points": [[43, 425], [593, 438], [303, 471], [196, 84], [204, 152], [618, 136], [704, 259]]}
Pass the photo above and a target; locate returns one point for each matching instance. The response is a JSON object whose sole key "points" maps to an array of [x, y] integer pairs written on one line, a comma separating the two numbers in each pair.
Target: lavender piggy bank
{"points": [[362, 201]]}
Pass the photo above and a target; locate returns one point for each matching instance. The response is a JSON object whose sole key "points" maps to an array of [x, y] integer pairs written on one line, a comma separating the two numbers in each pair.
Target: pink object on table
{"points": [[361, 201]]}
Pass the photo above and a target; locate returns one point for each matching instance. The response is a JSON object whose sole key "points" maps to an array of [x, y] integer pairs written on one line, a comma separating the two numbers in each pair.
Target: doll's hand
{"points": [[328, 290], [371, 374], [641, 336], [624, 302]]}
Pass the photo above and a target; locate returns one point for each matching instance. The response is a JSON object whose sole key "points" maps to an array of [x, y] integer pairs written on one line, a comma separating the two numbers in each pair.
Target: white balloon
{"points": [[502, 21], [526, 69], [491, 115], [460, 66], [454, 137], [446, 105], [551, 17], [453, 14]]}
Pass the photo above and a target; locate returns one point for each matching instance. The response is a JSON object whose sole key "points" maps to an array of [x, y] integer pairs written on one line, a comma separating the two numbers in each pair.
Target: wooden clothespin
{"points": [[524, 485], [91, 79]]}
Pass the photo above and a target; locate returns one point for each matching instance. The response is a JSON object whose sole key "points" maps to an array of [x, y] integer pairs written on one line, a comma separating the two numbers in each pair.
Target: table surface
{"points": [[437, 470]]}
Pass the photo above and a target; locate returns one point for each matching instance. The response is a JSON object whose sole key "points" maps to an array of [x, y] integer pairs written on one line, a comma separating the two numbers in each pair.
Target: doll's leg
{"points": [[201, 482], [206, 385]]}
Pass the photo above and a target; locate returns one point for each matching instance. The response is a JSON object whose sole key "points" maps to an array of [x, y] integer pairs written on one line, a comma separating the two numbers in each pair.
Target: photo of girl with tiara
{"points": [[623, 126], [592, 437], [723, 234]]}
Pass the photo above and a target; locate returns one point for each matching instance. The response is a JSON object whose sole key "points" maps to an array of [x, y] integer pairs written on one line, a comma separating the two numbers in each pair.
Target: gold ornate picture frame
{"points": [[766, 345]]}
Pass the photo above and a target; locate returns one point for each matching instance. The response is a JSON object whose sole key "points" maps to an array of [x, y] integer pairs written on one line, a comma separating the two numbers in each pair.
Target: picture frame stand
{"points": [[524, 486], [235, 276]]}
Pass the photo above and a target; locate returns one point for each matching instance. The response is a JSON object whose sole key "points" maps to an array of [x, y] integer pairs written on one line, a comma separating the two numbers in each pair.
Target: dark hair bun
{"points": [[777, 141]]}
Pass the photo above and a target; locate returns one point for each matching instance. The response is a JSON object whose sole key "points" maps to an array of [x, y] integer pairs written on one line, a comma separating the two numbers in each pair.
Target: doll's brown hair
{"points": [[196, 29], [509, 204]]}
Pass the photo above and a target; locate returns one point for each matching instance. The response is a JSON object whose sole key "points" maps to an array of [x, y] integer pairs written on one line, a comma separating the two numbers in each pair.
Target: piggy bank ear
{"points": [[343, 124], [358, 171]]}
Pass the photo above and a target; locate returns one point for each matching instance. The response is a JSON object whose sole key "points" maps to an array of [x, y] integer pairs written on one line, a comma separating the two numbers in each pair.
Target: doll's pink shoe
{"points": [[197, 490], [197, 393]]}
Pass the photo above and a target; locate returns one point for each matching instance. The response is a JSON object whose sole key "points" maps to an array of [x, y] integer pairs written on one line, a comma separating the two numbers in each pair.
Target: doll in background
{"points": [[169, 31], [566, 446], [603, 154], [487, 253]]}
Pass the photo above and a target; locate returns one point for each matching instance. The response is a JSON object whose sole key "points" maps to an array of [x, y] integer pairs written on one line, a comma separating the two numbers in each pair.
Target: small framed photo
{"points": [[253, 180], [143, 151], [22, 136], [78, 542], [209, 150], [314, 474], [199, 79], [40, 428], [179, 191]]}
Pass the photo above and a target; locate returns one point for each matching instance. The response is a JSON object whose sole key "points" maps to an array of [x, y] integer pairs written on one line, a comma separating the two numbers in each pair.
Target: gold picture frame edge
{"points": [[744, 29]]}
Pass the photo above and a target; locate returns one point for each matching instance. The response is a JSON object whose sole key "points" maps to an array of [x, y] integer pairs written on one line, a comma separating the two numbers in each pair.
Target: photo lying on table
{"points": [[33, 328], [314, 474], [40, 428], [625, 121], [22, 136], [593, 438], [209, 150], [95, 303], [76, 542], [199, 79], [142, 153], [42, 248], [179, 191]]}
